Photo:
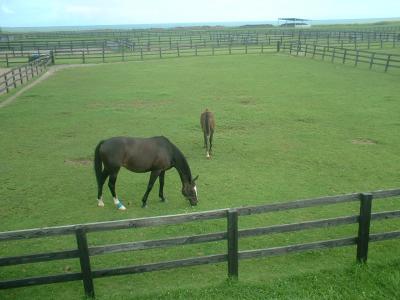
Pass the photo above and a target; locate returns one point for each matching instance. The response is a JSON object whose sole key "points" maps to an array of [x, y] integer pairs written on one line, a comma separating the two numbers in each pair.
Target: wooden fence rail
{"points": [[354, 40], [23, 73], [344, 55], [83, 252]]}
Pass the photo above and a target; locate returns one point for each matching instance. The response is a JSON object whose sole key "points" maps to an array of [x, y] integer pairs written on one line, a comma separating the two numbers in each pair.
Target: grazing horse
{"points": [[207, 122], [140, 155]]}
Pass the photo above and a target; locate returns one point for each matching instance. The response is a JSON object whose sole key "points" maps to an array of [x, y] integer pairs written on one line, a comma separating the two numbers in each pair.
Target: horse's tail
{"points": [[98, 165], [207, 122]]}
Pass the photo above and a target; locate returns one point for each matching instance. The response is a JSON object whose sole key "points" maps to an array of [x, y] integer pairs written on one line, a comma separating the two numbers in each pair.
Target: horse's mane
{"points": [[181, 163]]}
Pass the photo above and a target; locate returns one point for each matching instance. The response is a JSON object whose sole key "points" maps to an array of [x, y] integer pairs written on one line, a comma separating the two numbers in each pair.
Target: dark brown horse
{"points": [[207, 122], [140, 155]]}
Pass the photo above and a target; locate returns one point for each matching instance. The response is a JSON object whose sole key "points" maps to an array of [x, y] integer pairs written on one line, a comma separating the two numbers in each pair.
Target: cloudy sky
{"points": [[22, 13]]}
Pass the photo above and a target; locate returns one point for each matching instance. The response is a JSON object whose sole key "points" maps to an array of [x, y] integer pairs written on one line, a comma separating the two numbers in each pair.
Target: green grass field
{"points": [[287, 128]]}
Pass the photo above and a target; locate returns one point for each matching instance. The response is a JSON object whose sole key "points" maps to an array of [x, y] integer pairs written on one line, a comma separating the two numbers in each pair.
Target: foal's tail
{"points": [[207, 122], [98, 166]]}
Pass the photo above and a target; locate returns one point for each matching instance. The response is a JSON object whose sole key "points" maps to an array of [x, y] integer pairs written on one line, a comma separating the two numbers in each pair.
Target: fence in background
{"points": [[206, 33], [224, 39], [148, 53], [83, 252], [345, 56]]}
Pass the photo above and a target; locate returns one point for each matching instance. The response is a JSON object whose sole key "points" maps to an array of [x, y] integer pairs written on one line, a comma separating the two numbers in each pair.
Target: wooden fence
{"points": [[102, 55], [344, 55], [210, 34], [215, 39], [83, 252], [21, 74]]}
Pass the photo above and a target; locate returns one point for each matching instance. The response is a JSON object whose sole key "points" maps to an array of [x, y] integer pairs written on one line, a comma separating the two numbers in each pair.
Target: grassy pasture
{"points": [[287, 128]]}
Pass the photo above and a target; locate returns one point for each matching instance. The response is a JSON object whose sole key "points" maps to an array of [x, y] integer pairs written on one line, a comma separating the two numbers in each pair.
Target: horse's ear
{"points": [[195, 178]]}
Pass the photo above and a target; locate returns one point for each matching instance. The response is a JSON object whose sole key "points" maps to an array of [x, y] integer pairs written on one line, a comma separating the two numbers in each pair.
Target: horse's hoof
{"points": [[100, 203], [144, 205], [120, 206], [163, 199]]}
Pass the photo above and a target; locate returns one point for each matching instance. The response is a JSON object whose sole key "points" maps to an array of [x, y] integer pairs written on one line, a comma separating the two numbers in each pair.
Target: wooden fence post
{"points": [[20, 75], [13, 76], [26, 72], [141, 53], [160, 52], [83, 56], [7, 63], [233, 244], [53, 60], [6, 82], [387, 63], [357, 56], [363, 227], [344, 55], [85, 262], [371, 61]]}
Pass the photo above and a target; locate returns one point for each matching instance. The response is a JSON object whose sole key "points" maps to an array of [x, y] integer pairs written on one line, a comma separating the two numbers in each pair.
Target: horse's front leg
{"points": [[153, 177], [161, 192]]}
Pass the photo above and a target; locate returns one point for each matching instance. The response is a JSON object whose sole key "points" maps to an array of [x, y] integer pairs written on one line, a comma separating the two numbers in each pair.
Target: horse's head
{"points": [[189, 190]]}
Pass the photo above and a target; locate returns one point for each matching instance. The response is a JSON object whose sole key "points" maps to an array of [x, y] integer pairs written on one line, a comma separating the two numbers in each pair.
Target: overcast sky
{"points": [[22, 13]]}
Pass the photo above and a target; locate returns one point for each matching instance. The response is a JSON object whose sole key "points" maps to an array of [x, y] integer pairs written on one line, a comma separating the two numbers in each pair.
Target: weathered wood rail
{"points": [[342, 55], [23, 73], [83, 251]]}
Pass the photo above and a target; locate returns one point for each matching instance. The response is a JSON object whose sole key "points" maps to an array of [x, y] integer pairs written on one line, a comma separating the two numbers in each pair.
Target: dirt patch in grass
{"points": [[363, 141], [79, 162], [127, 104], [305, 120]]}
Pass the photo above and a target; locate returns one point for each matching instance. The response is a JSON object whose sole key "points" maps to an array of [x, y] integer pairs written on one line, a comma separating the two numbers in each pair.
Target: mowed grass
{"points": [[287, 128]]}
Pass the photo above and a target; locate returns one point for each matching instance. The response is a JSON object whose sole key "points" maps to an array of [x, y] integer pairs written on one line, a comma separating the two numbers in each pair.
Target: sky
{"points": [[35, 13]]}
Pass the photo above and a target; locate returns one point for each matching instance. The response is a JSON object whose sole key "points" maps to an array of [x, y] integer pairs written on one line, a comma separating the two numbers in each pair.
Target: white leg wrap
{"points": [[118, 204]]}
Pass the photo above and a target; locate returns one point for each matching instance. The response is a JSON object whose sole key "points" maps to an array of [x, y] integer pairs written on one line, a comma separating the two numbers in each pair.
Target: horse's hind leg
{"points": [[153, 177], [111, 184], [211, 138], [103, 178], [161, 192], [205, 140]]}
